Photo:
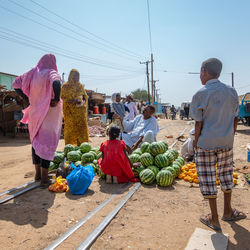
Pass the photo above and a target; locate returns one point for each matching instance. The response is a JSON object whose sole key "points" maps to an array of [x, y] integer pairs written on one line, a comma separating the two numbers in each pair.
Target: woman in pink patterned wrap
{"points": [[41, 87]]}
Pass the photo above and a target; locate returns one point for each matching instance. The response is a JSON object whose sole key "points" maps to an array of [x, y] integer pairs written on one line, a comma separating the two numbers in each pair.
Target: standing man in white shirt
{"points": [[133, 112]]}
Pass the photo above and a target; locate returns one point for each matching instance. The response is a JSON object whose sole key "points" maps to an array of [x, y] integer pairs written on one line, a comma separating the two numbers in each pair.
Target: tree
{"points": [[140, 94]]}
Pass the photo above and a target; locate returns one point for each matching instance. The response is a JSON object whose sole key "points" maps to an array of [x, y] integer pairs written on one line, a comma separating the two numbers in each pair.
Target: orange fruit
{"points": [[235, 182], [235, 175], [186, 178], [218, 183], [196, 180]]}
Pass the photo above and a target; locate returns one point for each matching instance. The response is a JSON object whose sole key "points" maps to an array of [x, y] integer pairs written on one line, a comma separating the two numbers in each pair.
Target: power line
{"points": [[55, 30], [79, 27], [58, 53], [55, 48], [149, 28]]}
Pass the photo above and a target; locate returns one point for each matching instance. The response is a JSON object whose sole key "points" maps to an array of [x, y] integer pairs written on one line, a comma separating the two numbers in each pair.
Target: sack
{"points": [[80, 179]]}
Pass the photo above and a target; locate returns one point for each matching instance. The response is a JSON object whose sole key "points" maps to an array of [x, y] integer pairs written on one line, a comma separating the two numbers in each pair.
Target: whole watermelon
{"points": [[181, 159], [85, 147], [147, 159], [172, 170], [177, 170], [178, 163], [101, 174], [77, 148], [161, 161], [147, 176], [93, 153], [73, 156], [165, 145], [68, 148], [175, 152], [96, 150], [58, 157], [53, 166], [87, 158], [137, 151], [170, 157], [164, 178], [154, 169], [156, 148], [99, 156], [144, 147], [138, 170], [79, 152], [134, 158]]}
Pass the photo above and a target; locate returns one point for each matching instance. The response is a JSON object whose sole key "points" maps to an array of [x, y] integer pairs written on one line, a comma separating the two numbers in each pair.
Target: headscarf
{"points": [[118, 107], [37, 85], [73, 88]]}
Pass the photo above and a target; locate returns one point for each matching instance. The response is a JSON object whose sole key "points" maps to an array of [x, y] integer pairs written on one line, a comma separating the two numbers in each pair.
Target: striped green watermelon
{"points": [[154, 169], [172, 170], [170, 156], [178, 163], [101, 174], [93, 153], [156, 148], [164, 144], [85, 147], [134, 158], [147, 176], [161, 161], [88, 157], [164, 178], [99, 156], [147, 159], [181, 159], [177, 170], [73, 156], [175, 152], [144, 147], [137, 151], [58, 157], [96, 150], [137, 170], [68, 148]]}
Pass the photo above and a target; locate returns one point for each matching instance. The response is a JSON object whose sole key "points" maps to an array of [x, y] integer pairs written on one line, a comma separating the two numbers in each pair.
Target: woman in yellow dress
{"points": [[75, 102]]}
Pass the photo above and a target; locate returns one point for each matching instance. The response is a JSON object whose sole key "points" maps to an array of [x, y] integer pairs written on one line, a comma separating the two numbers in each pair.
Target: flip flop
{"points": [[235, 216], [206, 221]]}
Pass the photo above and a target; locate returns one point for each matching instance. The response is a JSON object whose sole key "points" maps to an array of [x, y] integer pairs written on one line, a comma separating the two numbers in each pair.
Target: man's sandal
{"points": [[206, 221], [236, 215]]}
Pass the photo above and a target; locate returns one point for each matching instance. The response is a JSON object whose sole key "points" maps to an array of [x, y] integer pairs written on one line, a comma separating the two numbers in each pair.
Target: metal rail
{"points": [[12, 196], [64, 236], [104, 223], [16, 188]]}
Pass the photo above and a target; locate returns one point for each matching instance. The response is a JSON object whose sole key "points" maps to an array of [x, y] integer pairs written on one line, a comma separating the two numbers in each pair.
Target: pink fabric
{"points": [[44, 121]]}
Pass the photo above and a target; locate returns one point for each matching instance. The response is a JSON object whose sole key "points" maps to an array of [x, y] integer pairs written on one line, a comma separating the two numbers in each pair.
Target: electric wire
{"points": [[55, 48], [85, 30], [57, 31]]}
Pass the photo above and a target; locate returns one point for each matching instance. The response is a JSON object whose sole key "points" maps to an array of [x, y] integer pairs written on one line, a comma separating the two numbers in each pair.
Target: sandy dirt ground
{"points": [[154, 218]]}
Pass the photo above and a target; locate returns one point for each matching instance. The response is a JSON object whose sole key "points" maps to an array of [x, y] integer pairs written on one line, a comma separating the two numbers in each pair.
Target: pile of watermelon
{"points": [[84, 155], [158, 163]]}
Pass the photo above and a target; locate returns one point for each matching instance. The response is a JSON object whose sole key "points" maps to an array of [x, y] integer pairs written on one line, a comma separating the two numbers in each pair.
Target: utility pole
{"points": [[152, 78], [233, 79], [63, 77], [147, 73], [155, 96]]}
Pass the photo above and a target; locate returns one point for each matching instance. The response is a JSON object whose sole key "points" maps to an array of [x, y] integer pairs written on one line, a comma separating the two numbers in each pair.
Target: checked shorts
{"points": [[206, 161]]}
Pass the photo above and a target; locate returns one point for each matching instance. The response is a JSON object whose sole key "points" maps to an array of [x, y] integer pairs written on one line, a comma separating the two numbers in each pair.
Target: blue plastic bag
{"points": [[80, 179]]}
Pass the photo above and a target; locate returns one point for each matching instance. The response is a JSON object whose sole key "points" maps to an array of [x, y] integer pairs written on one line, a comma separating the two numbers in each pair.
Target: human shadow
{"points": [[242, 237], [70, 196], [219, 241], [13, 142], [30, 208], [113, 188], [243, 131]]}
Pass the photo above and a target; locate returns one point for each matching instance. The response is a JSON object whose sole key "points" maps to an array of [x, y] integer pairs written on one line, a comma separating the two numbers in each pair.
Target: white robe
{"points": [[139, 127]]}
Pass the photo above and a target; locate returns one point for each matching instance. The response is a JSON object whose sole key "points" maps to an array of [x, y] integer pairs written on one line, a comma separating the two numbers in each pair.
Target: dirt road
{"points": [[154, 218]]}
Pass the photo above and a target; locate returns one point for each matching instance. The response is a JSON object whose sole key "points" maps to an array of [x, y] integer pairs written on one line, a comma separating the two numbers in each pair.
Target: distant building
{"points": [[7, 79]]}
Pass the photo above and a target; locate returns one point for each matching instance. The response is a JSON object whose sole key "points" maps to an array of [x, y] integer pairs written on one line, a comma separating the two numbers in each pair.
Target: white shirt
{"points": [[133, 112]]}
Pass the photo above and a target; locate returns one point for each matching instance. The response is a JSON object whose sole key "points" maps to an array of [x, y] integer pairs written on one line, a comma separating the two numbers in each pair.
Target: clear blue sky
{"points": [[184, 33]]}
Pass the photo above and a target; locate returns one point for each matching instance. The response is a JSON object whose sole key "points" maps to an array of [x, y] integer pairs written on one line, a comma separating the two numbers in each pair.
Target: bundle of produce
{"points": [[189, 174], [59, 186]]}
